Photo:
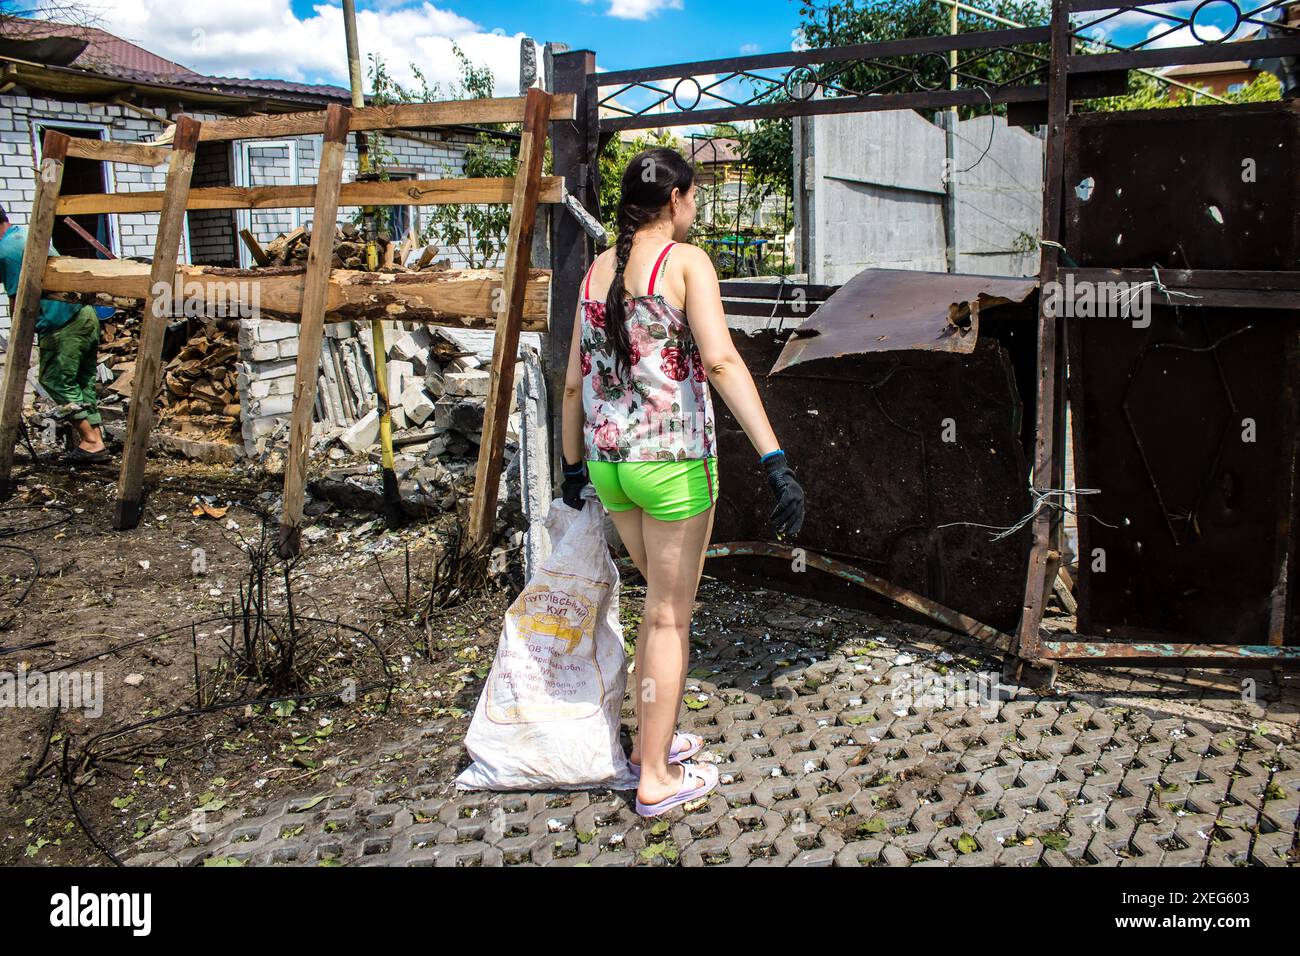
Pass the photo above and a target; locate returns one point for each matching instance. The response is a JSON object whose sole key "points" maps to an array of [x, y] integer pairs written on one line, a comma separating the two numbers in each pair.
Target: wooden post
{"points": [[311, 331], [1048, 428], [153, 326], [505, 347], [27, 303], [571, 148]]}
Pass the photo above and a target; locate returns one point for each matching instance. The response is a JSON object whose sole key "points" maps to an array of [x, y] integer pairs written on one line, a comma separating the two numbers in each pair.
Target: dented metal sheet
{"points": [[892, 310]]}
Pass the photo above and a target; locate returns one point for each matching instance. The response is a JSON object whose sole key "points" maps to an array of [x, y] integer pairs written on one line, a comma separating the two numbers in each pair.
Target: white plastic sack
{"points": [[548, 717]]}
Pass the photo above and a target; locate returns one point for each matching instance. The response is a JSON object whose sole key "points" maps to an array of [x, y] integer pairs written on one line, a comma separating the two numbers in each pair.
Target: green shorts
{"points": [[666, 490]]}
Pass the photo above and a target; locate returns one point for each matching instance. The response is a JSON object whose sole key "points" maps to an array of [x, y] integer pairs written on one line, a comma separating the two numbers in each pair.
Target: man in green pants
{"points": [[68, 338]]}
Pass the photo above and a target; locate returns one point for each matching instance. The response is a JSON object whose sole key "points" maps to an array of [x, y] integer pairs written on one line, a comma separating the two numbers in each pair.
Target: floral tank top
{"points": [[664, 412]]}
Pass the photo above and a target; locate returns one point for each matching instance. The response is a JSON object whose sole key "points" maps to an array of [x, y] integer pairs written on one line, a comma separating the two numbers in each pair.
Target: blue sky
{"points": [[663, 32], [302, 40]]}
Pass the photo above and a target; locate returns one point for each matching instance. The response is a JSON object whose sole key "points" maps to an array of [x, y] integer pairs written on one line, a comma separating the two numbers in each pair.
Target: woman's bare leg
{"points": [[628, 524], [673, 556]]}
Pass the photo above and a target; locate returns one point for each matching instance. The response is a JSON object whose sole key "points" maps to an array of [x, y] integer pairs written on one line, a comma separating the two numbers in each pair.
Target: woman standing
{"points": [[638, 424]]}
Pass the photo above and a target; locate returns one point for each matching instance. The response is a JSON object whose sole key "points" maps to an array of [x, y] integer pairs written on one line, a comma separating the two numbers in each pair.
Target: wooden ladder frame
{"points": [[524, 191]]}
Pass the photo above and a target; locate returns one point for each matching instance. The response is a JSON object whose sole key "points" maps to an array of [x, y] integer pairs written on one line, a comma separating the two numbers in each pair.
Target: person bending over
{"points": [[67, 335]]}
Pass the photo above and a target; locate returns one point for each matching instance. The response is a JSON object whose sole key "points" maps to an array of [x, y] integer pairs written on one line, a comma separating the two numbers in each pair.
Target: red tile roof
{"points": [[113, 56], [104, 52]]}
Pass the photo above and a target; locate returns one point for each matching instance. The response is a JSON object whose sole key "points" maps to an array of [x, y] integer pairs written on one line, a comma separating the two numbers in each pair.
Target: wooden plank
{"points": [[157, 314], [460, 298], [500, 109], [27, 302], [505, 347], [95, 244], [1028, 644], [312, 331], [137, 154], [254, 247], [396, 192]]}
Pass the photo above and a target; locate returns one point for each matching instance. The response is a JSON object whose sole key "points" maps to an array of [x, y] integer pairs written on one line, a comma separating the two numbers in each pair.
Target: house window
{"points": [[396, 221]]}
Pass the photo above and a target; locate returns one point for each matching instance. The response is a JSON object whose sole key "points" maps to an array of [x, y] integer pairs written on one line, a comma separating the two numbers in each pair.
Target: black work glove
{"points": [[787, 516], [575, 479]]}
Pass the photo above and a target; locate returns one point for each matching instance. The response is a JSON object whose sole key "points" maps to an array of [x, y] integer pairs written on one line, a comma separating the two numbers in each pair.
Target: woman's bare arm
{"points": [[572, 412], [723, 364]]}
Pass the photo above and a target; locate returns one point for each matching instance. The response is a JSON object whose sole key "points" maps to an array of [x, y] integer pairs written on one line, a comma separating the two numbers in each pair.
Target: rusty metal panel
{"points": [[1182, 425], [865, 436], [891, 310], [1186, 517], [1198, 187]]}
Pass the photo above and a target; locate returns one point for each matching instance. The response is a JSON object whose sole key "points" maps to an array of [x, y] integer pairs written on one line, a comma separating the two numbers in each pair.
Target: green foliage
{"points": [[849, 22], [477, 232], [1145, 92], [768, 148]]}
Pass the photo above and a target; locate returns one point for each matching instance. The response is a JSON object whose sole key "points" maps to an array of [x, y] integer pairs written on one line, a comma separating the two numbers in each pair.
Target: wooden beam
{"points": [[395, 192], [1028, 644], [254, 247], [505, 347], [147, 377], [312, 331], [501, 109], [462, 298], [137, 154], [27, 302]]}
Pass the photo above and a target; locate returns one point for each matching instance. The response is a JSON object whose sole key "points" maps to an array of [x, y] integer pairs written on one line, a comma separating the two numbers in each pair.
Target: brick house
{"points": [[86, 82]]}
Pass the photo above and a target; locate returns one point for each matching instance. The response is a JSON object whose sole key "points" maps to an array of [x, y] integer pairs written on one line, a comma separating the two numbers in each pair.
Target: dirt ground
{"points": [[146, 609], [380, 699]]}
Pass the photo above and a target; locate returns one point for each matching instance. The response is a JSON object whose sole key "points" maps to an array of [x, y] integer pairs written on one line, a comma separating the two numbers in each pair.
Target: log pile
{"points": [[290, 248], [200, 380], [200, 391]]}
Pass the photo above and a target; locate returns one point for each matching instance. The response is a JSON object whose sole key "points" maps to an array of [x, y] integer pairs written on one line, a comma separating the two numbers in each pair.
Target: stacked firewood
{"points": [[291, 248], [200, 380]]}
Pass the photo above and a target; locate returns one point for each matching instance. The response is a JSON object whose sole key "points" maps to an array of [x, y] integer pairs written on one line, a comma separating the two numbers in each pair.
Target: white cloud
{"points": [[641, 9], [265, 39], [1207, 32], [1122, 27]]}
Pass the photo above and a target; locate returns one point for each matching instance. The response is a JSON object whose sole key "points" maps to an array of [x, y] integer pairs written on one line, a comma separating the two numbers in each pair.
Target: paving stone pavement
{"points": [[845, 739]]}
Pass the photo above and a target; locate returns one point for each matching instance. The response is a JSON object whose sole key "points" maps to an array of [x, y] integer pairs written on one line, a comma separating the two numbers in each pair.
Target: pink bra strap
{"points": [[654, 273]]}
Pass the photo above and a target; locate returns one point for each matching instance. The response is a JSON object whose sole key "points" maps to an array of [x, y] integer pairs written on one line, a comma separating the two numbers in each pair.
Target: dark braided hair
{"points": [[647, 187]]}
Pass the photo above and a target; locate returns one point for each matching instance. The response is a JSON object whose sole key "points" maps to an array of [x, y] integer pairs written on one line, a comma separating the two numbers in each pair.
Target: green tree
{"points": [[1145, 92], [476, 231], [850, 22]]}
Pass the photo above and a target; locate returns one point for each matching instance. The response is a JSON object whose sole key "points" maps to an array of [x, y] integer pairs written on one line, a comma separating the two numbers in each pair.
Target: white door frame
{"points": [[244, 217], [105, 130]]}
